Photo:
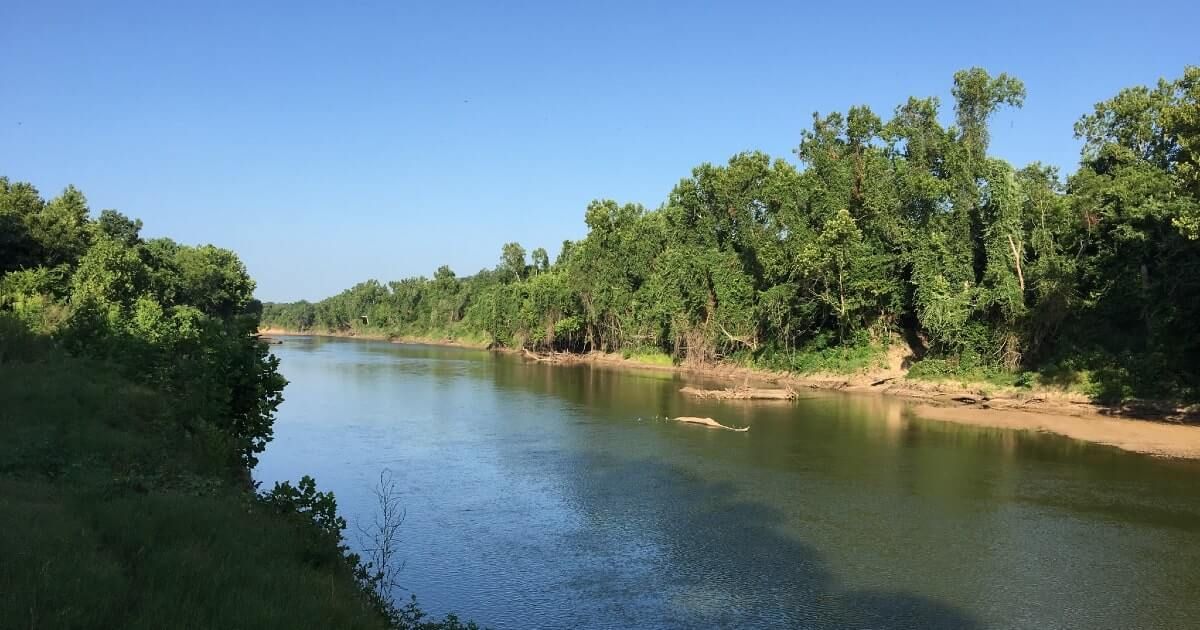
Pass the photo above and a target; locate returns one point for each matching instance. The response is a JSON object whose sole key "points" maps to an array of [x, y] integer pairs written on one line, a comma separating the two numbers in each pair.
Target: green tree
{"points": [[1140, 273], [62, 228], [116, 226], [842, 273], [512, 262], [20, 204], [886, 226], [541, 260]]}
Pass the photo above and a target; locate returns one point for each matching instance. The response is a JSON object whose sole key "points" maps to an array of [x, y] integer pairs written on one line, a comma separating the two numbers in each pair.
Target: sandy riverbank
{"points": [[1068, 414], [1139, 436], [1063, 413]]}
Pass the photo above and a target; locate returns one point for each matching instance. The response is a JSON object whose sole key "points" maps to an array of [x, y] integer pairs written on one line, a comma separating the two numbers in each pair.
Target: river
{"points": [[544, 496]]}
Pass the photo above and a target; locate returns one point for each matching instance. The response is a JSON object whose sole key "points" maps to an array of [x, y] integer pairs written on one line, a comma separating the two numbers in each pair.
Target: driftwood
{"points": [[740, 393], [709, 422], [549, 357]]}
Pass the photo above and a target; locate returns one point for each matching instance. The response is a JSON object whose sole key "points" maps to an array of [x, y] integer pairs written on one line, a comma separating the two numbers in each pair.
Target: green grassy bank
{"points": [[116, 514]]}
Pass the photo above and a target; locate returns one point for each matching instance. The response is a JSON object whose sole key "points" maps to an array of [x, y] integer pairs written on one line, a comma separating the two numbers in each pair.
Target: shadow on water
{"points": [[708, 558]]}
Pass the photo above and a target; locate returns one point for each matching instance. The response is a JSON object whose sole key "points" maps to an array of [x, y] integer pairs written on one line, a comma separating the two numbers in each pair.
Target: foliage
{"points": [[889, 226], [117, 516], [137, 397], [825, 355]]}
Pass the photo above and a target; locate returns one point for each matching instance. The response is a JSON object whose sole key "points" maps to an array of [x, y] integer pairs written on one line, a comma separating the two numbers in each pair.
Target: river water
{"points": [[542, 496]]}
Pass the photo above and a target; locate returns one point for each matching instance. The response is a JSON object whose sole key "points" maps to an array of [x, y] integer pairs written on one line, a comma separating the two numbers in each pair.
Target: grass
{"points": [[851, 359], [113, 516], [649, 356], [464, 337], [1051, 377], [952, 370]]}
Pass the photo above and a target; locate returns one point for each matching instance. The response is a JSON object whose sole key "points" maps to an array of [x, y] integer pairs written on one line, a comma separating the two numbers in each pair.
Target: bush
{"points": [[822, 355]]}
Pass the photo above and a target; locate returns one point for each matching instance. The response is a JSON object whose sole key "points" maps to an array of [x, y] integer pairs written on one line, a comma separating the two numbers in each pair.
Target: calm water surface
{"points": [[546, 496]]}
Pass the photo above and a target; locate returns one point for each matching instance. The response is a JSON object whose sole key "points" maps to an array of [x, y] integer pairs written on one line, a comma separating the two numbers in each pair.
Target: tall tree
{"points": [[1140, 271], [114, 225], [541, 260], [512, 261], [62, 228]]}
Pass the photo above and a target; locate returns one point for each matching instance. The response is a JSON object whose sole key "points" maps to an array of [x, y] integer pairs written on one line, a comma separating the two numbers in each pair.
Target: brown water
{"points": [[543, 496]]}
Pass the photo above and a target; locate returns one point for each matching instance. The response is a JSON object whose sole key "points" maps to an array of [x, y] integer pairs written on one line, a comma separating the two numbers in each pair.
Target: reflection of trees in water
{"points": [[607, 392], [675, 526], [662, 546], [667, 547]]}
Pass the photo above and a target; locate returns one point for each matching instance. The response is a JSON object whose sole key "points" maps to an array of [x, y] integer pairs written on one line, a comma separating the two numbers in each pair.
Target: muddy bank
{"points": [[1155, 429], [1139, 436]]}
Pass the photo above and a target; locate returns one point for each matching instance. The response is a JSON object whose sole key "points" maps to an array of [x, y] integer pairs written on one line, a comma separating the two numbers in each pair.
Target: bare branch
{"points": [[380, 540], [1017, 260]]}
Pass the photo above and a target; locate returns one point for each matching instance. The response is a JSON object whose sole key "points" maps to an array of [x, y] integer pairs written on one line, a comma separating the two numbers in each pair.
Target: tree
{"points": [[1140, 270], [20, 203], [607, 269], [705, 300], [512, 261], [977, 95], [61, 228], [213, 280], [541, 260], [1182, 122], [841, 271], [564, 254], [886, 226], [110, 275], [114, 225]]}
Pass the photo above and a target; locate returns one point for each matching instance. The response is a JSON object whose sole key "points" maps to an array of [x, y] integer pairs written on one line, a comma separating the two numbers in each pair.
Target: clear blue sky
{"points": [[330, 142]]}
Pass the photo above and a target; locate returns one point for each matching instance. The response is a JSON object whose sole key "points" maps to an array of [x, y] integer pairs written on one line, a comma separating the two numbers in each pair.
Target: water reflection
{"points": [[556, 496]]}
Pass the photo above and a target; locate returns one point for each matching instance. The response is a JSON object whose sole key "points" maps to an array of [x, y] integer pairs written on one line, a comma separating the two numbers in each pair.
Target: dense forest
{"points": [[899, 230], [136, 400]]}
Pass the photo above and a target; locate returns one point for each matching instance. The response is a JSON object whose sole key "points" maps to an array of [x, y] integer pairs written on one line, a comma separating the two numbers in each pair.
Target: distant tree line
{"points": [[899, 226]]}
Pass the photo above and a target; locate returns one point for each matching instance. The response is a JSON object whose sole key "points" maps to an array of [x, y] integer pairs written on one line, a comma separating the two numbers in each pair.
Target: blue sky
{"points": [[332, 142]]}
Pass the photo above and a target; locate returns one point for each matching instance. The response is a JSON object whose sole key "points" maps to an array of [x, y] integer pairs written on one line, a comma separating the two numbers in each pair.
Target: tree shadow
{"points": [[691, 554], [916, 346]]}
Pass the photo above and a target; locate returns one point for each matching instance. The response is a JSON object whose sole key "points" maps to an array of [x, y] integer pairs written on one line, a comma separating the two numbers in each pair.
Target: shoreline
{"points": [[1139, 429], [429, 341]]}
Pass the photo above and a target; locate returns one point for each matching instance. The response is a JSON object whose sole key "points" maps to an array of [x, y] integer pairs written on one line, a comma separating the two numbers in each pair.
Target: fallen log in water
{"points": [[740, 393], [708, 422]]}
